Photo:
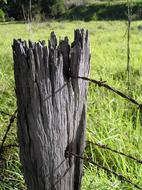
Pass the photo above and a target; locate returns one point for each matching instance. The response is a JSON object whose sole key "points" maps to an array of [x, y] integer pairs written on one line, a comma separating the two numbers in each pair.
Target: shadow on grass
{"points": [[103, 12]]}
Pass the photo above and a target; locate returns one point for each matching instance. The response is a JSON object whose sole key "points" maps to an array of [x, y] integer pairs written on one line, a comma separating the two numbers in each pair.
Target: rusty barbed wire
{"points": [[115, 151], [11, 121], [62, 177], [10, 146], [120, 176], [5, 113], [103, 84]]}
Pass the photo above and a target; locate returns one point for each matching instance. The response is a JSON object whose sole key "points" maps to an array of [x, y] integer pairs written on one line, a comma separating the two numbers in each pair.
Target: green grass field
{"points": [[111, 120]]}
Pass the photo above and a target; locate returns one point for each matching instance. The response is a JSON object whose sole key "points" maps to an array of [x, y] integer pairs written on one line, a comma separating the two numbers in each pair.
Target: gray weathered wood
{"points": [[51, 110]]}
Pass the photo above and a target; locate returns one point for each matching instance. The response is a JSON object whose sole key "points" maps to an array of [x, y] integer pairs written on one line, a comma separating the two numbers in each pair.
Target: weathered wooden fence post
{"points": [[51, 110]]}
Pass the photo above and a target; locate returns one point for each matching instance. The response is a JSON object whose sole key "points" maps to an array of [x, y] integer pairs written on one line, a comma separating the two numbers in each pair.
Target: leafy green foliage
{"points": [[2, 15], [57, 8], [74, 10], [104, 10]]}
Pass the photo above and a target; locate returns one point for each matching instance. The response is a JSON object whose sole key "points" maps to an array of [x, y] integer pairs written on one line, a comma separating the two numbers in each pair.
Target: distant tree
{"points": [[26, 9], [19, 9], [2, 15], [53, 8], [46, 6], [57, 8]]}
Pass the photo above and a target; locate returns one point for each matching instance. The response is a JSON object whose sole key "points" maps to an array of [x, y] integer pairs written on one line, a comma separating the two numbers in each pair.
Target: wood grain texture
{"points": [[51, 109]]}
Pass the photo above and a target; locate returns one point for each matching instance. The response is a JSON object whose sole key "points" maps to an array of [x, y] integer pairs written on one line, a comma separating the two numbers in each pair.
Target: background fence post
{"points": [[51, 110]]}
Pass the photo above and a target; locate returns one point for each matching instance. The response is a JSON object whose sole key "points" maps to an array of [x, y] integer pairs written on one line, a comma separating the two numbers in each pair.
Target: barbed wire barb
{"points": [[103, 84], [11, 121], [120, 176], [115, 151]]}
